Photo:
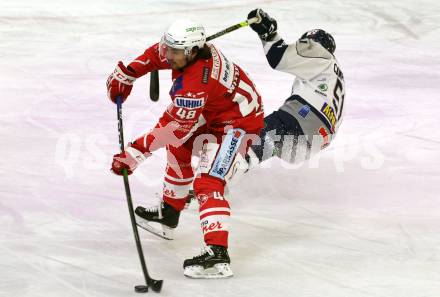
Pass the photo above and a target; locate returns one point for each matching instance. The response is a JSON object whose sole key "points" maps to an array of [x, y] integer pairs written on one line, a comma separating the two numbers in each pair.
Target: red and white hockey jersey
{"points": [[214, 92]]}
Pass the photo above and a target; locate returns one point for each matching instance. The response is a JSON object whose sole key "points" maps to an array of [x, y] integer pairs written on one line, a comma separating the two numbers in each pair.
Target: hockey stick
{"points": [[156, 285], [233, 28], [154, 78], [154, 85]]}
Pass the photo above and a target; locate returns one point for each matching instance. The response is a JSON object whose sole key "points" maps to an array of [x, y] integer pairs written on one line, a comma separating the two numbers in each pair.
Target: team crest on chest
{"points": [[177, 85]]}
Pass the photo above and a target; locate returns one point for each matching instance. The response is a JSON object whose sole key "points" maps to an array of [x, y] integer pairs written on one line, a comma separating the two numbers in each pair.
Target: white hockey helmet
{"points": [[183, 34]]}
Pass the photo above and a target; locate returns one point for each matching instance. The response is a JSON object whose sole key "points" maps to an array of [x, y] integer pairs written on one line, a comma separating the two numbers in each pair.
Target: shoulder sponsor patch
{"points": [[215, 63], [227, 72], [188, 103]]}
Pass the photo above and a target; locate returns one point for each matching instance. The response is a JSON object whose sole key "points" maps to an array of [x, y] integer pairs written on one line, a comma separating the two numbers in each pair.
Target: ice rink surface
{"points": [[363, 219]]}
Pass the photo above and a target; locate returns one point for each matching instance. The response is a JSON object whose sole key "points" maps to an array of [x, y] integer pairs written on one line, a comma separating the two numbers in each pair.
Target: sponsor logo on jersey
{"points": [[324, 135], [230, 153], [202, 198], [217, 226], [204, 160], [329, 113], [168, 192], [323, 87], [177, 85], [227, 72], [304, 111], [235, 80], [227, 152], [320, 93], [215, 64], [205, 75], [188, 103]]}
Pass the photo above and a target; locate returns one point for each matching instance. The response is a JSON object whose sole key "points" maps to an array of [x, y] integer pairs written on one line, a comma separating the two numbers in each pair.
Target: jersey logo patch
{"points": [[227, 152], [205, 75], [304, 111], [328, 111], [227, 72], [215, 64], [188, 103], [177, 85]]}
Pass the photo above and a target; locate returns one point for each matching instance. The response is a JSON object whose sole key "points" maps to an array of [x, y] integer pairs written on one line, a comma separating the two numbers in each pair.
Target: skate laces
{"points": [[205, 250], [152, 208], [156, 208]]}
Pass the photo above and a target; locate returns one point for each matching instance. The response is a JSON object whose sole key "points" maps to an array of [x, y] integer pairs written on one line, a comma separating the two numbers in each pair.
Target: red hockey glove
{"points": [[129, 159], [120, 82]]}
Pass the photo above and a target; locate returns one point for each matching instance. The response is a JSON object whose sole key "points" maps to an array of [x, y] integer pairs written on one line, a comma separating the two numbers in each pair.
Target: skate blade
{"points": [[165, 233], [217, 271]]}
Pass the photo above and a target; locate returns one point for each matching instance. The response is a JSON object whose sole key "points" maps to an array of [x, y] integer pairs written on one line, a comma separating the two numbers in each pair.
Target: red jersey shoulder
{"points": [[224, 72], [148, 61]]}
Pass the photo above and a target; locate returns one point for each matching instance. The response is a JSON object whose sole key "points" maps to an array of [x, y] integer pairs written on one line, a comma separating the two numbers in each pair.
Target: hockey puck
{"points": [[141, 289]]}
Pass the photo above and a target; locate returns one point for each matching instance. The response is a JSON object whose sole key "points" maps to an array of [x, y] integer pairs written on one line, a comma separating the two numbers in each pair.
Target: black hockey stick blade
{"points": [[156, 285], [154, 85]]}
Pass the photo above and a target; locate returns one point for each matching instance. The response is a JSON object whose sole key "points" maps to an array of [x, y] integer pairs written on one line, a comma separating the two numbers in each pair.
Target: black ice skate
{"points": [[213, 262], [163, 214]]}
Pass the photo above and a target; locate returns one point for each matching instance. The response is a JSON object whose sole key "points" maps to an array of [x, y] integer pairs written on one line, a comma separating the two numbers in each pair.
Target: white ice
{"points": [[362, 220]]}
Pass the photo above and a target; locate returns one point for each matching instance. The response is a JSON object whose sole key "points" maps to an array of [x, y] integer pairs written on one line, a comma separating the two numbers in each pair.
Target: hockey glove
{"points": [[120, 82], [266, 28], [129, 159]]}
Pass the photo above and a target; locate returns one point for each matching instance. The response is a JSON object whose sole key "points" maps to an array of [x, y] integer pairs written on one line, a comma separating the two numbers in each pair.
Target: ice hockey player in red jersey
{"points": [[216, 109]]}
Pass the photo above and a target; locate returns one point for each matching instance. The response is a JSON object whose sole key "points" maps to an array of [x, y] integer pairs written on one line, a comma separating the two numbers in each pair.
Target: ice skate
{"points": [[213, 262], [161, 220]]}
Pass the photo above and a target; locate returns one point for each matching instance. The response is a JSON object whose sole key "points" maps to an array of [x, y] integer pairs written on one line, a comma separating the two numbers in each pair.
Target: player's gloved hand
{"points": [[129, 159], [267, 27], [120, 82]]}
